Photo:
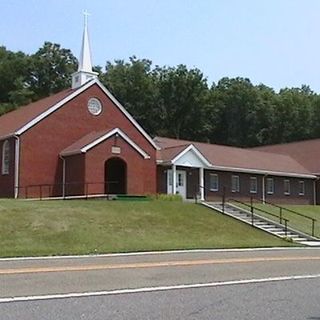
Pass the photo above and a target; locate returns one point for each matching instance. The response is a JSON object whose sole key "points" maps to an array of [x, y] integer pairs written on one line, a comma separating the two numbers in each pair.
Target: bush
{"points": [[166, 197]]}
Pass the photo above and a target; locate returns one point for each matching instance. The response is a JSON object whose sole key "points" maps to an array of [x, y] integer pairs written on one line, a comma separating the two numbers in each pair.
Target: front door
{"points": [[115, 176], [181, 183]]}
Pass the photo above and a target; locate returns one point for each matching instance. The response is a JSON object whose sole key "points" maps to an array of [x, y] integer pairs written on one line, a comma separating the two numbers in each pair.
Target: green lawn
{"points": [[295, 221], [30, 228]]}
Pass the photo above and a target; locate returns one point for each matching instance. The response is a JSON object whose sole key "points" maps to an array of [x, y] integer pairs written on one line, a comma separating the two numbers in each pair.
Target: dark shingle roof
{"points": [[16, 119], [232, 157], [305, 152]]}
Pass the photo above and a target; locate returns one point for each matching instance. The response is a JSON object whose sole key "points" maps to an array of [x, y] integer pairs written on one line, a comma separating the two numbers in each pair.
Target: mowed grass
{"points": [[33, 228], [295, 221]]}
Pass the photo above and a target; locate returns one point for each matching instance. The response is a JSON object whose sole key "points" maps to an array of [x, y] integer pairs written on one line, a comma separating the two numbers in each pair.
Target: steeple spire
{"points": [[84, 72]]}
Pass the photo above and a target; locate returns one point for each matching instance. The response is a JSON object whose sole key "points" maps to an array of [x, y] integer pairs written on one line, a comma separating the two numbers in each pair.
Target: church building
{"points": [[83, 142]]}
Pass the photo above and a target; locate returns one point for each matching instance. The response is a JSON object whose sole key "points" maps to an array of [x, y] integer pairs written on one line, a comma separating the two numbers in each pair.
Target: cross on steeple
{"points": [[86, 14]]}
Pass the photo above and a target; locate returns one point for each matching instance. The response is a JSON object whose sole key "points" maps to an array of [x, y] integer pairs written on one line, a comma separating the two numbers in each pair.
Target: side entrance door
{"points": [[181, 183]]}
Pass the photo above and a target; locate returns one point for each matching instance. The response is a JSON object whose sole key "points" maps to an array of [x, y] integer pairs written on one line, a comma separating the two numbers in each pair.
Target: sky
{"points": [[274, 42]]}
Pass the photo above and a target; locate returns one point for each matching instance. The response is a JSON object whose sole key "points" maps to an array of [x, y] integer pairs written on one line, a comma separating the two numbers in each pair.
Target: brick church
{"points": [[83, 142]]}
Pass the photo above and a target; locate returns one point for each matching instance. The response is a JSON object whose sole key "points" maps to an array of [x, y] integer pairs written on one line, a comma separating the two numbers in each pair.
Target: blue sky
{"points": [[275, 42]]}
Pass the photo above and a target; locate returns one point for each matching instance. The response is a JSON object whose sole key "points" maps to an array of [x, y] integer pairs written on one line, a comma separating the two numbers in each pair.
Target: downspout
{"points": [[63, 176], [16, 166], [263, 190], [314, 192]]}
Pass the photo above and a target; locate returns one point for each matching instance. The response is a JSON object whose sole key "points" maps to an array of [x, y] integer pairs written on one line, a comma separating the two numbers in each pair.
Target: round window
{"points": [[94, 106]]}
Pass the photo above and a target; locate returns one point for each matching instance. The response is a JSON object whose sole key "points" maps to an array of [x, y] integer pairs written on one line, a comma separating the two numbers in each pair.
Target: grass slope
{"points": [[31, 228]]}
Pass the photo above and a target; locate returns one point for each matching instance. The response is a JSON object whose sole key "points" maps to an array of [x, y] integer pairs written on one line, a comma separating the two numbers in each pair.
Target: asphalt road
{"points": [[294, 300], [216, 285]]}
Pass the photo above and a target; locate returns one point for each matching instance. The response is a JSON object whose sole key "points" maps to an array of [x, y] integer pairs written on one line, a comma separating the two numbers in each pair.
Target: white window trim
{"points": [[5, 166], [302, 193], [238, 184], [272, 181], [256, 183], [217, 177], [287, 193]]}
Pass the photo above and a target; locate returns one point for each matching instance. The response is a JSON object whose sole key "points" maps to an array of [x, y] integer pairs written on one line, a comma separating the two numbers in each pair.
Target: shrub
{"points": [[166, 197]]}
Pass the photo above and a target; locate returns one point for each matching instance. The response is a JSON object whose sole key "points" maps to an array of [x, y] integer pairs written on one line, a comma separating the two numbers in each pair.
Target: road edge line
{"points": [[154, 289], [144, 253]]}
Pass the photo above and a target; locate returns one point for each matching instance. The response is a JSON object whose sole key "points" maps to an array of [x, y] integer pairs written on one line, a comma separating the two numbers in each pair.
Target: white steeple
{"points": [[84, 72]]}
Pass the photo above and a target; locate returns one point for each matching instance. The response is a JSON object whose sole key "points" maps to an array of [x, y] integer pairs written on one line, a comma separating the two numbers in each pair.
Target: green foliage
{"points": [[25, 78], [134, 85], [51, 69], [171, 101], [14, 70], [182, 94]]}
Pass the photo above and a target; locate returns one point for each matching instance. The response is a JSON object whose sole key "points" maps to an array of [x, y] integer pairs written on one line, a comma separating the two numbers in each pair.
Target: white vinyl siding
{"points": [[286, 187], [253, 185], [270, 186], [214, 182], [235, 184], [5, 163]]}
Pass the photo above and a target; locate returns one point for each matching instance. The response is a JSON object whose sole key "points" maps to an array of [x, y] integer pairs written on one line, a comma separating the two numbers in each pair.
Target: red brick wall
{"points": [[244, 194], [75, 175], [41, 145], [162, 179], [7, 180], [141, 173]]}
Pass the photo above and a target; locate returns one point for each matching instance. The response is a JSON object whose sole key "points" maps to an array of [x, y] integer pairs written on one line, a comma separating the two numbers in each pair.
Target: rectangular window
{"points": [[270, 186], [5, 157], [286, 187], [180, 180], [253, 185], [301, 188], [214, 182], [235, 184]]}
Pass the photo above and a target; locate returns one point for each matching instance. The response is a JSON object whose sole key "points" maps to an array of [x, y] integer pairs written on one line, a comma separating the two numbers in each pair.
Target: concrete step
{"points": [[265, 225], [311, 243], [299, 239]]}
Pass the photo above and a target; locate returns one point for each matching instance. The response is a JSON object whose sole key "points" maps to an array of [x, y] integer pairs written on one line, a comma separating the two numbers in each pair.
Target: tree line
{"points": [[175, 101]]}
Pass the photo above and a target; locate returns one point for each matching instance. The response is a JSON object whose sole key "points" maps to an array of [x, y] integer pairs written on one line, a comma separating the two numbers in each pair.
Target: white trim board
{"points": [[110, 134], [265, 172], [196, 152], [76, 93], [107, 136]]}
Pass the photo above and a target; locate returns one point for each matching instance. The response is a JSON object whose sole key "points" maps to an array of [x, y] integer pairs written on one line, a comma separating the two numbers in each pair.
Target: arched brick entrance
{"points": [[115, 176]]}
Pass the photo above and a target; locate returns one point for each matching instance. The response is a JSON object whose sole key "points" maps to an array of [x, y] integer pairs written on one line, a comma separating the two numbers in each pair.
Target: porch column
{"points": [[201, 183], [174, 179]]}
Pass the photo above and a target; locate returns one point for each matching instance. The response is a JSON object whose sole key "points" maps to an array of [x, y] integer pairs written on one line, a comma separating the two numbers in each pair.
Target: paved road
{"points": [[46, 278], [294, 300]]}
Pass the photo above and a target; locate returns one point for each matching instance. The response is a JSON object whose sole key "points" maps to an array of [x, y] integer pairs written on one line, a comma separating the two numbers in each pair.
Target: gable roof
{"points": [[173, 154], [306, 152], [12, 121], [22, 119], [234, 159], [94, 138]]}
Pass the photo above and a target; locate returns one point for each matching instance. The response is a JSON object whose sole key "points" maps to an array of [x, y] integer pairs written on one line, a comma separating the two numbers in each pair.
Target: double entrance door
{"points": [[181, 183]]}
